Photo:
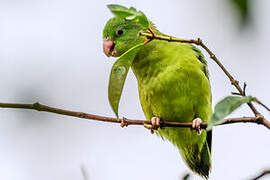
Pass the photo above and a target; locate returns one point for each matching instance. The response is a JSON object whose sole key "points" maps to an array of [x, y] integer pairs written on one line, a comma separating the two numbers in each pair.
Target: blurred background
{"points": [[51, 52]]}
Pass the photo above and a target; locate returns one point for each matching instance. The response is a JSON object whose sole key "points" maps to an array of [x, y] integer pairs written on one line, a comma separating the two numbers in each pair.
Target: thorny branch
{"points": [[123, 121]]}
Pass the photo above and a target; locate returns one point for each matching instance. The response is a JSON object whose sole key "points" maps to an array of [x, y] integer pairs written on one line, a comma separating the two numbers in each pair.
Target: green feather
{"points": [[173, 85]]}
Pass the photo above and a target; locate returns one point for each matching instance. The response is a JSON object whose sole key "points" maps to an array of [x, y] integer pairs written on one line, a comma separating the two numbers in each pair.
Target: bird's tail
{"points": [[199, 161], [195, 149]]}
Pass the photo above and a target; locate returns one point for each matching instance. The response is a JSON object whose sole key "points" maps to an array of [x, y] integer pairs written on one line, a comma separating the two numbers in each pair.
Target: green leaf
{"points": [[132, 17], [142, 19], [120, 11], [118, 76], [225, 107], [132, 9], [130, 14]]}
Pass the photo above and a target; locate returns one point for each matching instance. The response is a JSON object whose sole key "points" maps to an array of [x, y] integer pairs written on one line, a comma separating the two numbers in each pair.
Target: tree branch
{"points": [[126, 122], [212, 56], [264, 173], [258, 119]]}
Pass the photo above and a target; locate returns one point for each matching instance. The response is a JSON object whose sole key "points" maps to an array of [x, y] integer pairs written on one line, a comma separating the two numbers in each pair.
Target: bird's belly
{"points": [[171, 100]]}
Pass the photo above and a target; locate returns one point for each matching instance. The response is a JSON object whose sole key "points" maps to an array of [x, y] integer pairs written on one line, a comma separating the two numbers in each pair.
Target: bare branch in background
{"points": [[84, 172], [262, 174]]}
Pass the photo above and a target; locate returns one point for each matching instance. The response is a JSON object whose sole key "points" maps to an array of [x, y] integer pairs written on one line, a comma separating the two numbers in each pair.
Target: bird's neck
{"points": [[147, 62]]}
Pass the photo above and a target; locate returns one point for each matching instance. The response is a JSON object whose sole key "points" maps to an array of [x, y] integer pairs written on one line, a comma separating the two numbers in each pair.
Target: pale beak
{"points": [[108, 47]]}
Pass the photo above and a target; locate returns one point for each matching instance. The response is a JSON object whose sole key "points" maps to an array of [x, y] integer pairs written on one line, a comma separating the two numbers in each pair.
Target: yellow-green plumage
{"points": [[174, 86]]}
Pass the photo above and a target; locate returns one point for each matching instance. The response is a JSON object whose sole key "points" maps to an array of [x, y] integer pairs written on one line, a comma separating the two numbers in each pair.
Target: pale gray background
{"points": [[51, 52]]}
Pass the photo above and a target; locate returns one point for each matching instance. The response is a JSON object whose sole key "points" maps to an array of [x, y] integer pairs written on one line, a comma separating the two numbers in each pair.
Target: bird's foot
{"points": [[196, 124], [155, 121], [155, 124]]}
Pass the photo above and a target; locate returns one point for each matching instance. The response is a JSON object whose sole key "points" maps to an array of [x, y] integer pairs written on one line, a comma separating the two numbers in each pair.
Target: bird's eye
{"points": [[119, 32]]}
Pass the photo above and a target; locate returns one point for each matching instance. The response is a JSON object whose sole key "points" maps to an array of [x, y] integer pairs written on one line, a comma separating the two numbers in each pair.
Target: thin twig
{"points": [[264, 173], [212, 56], [244, 88], [126, 122], [84, 172], [263, 105]]}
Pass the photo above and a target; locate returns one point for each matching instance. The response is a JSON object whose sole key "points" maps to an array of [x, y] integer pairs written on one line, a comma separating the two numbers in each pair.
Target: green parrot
{"points": [[173, 85]]}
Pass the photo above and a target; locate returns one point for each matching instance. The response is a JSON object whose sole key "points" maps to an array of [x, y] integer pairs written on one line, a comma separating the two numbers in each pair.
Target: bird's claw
{"points": [[155, 121], [196, 124], [155, 124]]}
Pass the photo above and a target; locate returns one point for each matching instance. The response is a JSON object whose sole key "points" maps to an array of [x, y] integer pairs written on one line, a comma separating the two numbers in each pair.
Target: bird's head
{"points": [[119, 35]]}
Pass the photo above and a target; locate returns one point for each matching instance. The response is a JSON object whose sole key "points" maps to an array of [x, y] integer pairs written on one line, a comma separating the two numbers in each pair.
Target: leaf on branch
{"points": [[118, 76], [130, 14], [225, 107]]}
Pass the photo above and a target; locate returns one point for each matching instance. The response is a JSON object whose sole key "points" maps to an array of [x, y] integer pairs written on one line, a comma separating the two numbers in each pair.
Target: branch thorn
{"points": [[236, 93], [124, 122], [244, 88]]}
